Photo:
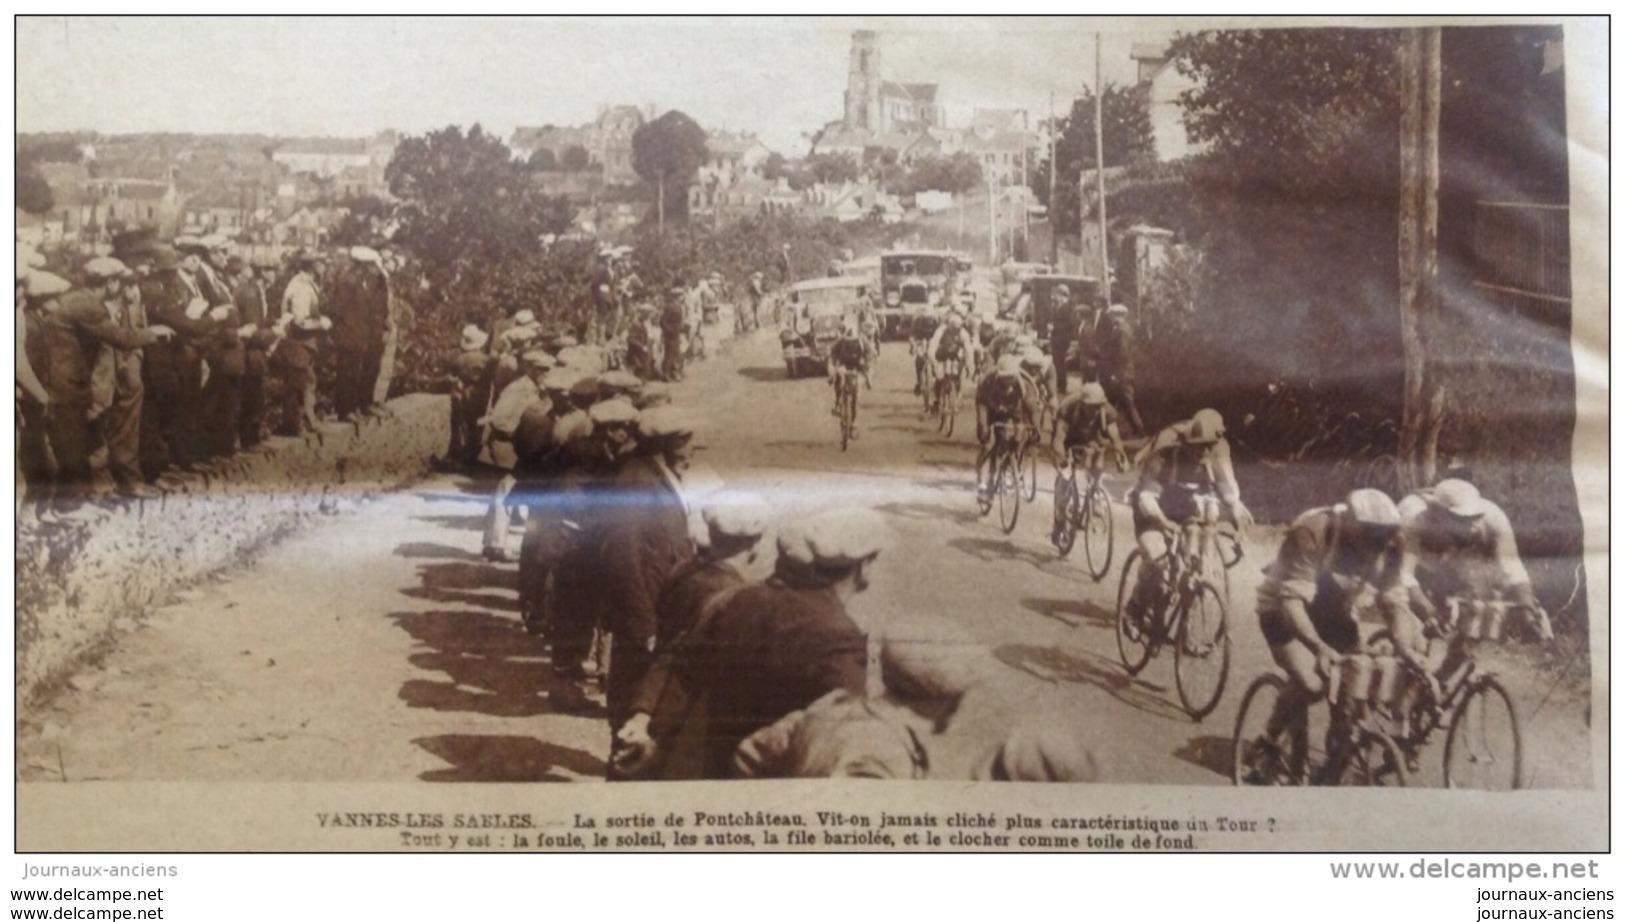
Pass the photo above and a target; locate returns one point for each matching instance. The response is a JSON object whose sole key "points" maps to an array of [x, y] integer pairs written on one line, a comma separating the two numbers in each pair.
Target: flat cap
{"points": [[619, 380], [42, 284], [474, 338], [652, 394], [665, 423], [189, 242], [1117, 310], [106, 267], [525, 318], [539, 358], [1458, 497], [845, 537], [585, 385], [365, 255], [1041, 750], [561, 380], [924, 657], [214, 241], [616, 412], [1009, 366], [733, 514]]}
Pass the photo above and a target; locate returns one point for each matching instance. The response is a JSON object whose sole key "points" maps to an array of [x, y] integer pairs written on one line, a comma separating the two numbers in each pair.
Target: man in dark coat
{"points": [[173, 372], [74, 334], [672, 322], [252, 297], [644, 538], [734, 527], [360, 312], [773, 647], [226, 355]]}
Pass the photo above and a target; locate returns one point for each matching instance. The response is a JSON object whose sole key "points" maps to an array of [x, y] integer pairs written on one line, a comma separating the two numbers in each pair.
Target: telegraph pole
{"points": [[1054, 231], [1100, 179]]}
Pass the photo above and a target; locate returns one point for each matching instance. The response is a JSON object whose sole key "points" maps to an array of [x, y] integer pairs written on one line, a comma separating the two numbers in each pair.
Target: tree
{"points": [[33, 192], [363, 222], [1302, 112], [575, 159], [467, 205], [775, 167], [832, 169], [542, 159], [667, 153], [1126, 135]]}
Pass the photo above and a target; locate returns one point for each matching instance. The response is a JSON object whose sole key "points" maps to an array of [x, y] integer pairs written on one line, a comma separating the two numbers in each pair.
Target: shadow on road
{"points": [[1209, 752], [764, 373], [475, 757], [456, 582], [1000, 550], [491, 666], [456, 522], [428, 550], [1053, 664], [1073, 612], [929, 512]]}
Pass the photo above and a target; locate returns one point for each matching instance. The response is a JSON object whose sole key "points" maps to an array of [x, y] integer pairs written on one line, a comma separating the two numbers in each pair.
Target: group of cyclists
{"points": [[1401, 560]]}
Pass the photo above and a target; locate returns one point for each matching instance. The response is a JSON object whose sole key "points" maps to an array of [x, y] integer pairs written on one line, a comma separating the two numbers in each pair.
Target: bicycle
{"points": [[1483, 747], [1189, 611], [1088, 511], [1009, 442], [945, 394], [1358, 751], [846, 403]]}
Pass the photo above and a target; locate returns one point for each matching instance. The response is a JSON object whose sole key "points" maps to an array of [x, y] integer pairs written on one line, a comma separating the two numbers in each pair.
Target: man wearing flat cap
{"points": [[301, 325], [501, 424], [251, 295], [734, 525], [225, 351], [74, 333], [775, 647], [359, 299], [173, 372]]}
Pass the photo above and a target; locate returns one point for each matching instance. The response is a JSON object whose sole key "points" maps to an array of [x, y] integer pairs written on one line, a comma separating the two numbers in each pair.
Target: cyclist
{"points": [[1084, 420], [849, 353], [1185, 475], [1001, 398], [1459, 544], [1040, 370], [921, 332], [1331, 560], [949, 350]]}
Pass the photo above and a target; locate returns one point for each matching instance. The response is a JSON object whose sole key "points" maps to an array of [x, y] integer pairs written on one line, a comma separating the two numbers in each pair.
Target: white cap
{"points": [[732, 514]]}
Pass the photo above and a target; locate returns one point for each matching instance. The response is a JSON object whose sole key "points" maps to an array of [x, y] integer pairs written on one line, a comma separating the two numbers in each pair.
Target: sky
{"points": [[782, 78]]}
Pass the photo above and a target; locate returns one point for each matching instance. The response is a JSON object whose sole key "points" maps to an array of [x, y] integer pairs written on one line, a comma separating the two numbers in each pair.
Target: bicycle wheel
{"points": [[848, 410], [1202, 651], [1097, 531], [1484, 750], [1370, 760], [1255, 757], [1008, 486], [1066, 515], [1029, 471], [953, 407], [1136, 633]]}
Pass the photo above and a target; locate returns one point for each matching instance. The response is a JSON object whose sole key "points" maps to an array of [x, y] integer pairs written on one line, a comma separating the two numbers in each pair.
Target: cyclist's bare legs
{"points": [[1304, 687]]}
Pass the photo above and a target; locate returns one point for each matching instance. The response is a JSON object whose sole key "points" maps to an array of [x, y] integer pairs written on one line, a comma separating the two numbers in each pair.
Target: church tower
{"points": [[863, 112]]}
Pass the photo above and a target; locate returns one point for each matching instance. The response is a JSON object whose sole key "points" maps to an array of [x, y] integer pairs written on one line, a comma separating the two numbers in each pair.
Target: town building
{"points": [[1163, 84], [606, 142]]}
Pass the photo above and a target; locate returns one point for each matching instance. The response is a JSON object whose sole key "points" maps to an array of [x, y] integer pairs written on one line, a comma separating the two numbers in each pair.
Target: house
{"points": [[1005, 155], [731, 157], [1163, 84], [607, 141], [873, 104]]}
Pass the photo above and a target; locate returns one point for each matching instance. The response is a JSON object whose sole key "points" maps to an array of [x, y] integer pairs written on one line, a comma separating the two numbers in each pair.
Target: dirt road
{"points": [[382, 647]]}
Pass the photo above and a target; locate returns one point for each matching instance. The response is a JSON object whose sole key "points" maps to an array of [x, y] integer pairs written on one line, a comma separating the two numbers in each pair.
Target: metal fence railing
{"points": [[1522, 250]]}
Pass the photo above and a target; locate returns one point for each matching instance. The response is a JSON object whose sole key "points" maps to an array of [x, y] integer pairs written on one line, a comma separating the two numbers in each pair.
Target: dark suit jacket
{"points": [[769, 649], [644, 538], [74, 334]]}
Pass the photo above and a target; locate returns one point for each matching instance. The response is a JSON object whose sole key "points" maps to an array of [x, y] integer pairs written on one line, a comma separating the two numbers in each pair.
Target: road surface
{"points": [[380, 646]]}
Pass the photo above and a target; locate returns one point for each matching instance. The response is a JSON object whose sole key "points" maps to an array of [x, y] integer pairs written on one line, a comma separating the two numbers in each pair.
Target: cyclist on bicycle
{"points": [[922, 331], [949, 350], [1460, 545], [1332, 560], [1185, 476], [849, 353], [1040, 370], [1084, 420], [1002, 398]]}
